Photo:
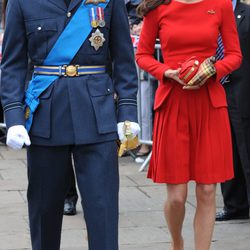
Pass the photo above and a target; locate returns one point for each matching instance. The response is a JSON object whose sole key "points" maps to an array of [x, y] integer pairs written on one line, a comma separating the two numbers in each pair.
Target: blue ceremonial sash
{"points": [[74, 35]]}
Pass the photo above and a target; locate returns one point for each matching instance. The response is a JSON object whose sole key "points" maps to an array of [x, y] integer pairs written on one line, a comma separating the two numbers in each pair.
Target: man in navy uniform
{"points": [[236, 192], [69, 109]]}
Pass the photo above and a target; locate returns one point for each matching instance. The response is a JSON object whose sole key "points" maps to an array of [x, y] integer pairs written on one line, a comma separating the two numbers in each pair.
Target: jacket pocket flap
{"points": [[217, 94], [40, 26], [100, 85]]}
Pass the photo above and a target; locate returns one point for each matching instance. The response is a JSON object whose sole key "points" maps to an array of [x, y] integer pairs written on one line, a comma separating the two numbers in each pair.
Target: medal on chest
{"points": [[93, 17], [97, 39], [96, 15], [100, 17], [95, 1]]}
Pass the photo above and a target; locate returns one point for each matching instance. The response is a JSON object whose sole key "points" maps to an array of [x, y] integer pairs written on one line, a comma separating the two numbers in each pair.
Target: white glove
{"points": [[134, 127], [17, 136]]}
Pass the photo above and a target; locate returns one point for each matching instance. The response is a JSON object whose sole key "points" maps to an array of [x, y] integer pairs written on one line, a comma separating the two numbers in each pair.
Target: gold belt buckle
{"points": [[71, 70]]}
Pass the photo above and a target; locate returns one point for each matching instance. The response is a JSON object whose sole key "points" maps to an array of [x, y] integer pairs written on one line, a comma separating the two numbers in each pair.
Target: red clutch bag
{"points": [[188, 69]]}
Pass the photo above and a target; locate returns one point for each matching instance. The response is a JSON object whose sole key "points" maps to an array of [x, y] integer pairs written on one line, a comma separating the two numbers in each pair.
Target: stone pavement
{"points": [[142, 226]]}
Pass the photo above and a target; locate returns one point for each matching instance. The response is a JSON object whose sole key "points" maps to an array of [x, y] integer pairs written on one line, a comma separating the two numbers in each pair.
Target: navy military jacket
{"points": [[240, 79], [73, 110]]}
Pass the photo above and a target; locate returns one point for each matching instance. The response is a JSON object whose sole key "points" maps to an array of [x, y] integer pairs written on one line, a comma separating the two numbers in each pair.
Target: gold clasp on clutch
{"points": [[196, 64]]}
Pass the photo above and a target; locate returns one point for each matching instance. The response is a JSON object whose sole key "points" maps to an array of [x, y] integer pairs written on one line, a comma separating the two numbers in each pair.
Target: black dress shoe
{"points": [[69, 208], [224, 215]]}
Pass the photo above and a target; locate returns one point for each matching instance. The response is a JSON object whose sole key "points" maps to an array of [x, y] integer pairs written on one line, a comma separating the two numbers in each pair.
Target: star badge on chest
{"points": [[97, 39]]}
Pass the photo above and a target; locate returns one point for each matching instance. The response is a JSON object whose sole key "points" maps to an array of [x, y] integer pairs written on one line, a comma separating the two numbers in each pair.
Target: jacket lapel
{"points": [[74, 3], [239, 13], [59, 3]]}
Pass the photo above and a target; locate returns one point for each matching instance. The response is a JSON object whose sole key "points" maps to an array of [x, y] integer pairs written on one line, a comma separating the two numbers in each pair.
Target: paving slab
{"points": [[142, 225]]}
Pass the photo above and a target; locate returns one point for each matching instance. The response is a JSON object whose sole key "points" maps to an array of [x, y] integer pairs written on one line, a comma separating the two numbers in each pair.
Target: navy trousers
{"points": [[96, 168], [236, 192]]}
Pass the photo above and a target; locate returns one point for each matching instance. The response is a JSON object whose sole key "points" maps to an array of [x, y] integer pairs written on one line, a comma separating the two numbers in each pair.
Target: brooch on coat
{"points": [[212, 12]]}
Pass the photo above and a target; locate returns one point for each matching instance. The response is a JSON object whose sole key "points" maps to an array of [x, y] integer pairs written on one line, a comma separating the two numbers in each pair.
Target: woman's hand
{"points": [[173, 74]]}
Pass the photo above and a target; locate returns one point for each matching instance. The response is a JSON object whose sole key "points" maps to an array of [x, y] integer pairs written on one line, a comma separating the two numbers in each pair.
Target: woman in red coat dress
{"points": [[191, 138]]}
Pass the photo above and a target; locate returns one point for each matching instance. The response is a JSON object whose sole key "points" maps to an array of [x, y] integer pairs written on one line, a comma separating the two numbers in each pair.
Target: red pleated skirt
{"points": [[191, 140]]}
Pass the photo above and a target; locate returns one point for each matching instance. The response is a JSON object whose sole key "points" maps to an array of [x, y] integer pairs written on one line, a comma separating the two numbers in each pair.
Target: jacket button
{"points": [[69, 14]]}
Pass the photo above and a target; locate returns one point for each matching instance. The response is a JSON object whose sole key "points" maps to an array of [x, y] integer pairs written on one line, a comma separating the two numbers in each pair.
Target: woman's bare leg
{"points": [[205, 215], [174, 210]]}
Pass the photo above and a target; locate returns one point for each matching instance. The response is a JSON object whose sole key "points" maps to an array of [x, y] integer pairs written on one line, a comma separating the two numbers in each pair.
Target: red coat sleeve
{"points": [[146, 47], [232, 52]]}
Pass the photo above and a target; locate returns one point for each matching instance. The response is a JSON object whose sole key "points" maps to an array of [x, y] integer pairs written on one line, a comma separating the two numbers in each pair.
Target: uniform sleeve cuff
{"points": [[14, 116], [127, 110]]}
